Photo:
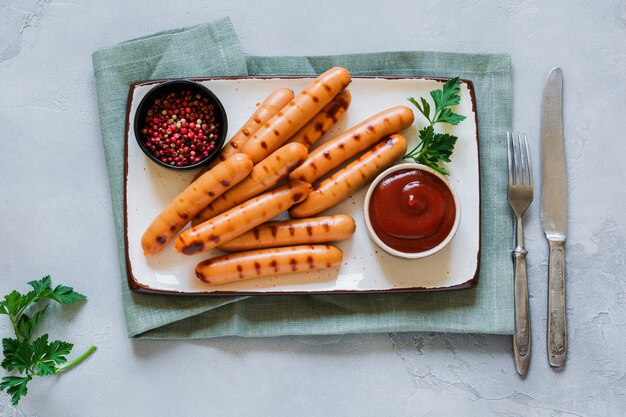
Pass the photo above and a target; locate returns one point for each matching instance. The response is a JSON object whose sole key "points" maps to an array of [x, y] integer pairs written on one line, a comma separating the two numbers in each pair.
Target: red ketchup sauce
{"points": [[412, 210]]}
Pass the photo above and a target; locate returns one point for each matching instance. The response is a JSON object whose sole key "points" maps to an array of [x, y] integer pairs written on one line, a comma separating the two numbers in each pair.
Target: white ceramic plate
{"points": [[366, 267]]}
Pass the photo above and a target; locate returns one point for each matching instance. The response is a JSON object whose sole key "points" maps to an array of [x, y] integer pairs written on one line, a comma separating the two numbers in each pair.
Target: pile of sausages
{"points": [[232, 200]]}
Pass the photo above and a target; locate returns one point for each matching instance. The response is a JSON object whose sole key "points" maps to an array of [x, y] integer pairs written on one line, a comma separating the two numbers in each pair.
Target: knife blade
{"points": [[554, 212]]}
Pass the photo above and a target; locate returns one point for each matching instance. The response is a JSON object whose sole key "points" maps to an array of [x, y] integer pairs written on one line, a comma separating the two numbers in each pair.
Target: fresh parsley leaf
{"points": [[66, 295], [11, 303], [449, 95], [435, 147], [448, 116], [38, 357], [42, 287], [9, 348], [47, 355], [23, 358], [15, 386], [424, 107], [27, 324]]}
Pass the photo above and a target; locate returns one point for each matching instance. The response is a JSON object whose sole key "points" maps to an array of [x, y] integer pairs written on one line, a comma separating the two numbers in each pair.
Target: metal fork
{"points": [[520, 195]]}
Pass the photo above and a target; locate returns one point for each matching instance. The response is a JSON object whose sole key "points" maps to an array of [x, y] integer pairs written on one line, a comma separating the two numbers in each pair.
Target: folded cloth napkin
{"points": [[213, 50]]}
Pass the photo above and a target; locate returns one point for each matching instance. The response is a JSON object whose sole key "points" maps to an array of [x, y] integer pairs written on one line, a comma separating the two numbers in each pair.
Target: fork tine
{"points": [[517, 162], [522, 160], [509, 143], [529, 172]]}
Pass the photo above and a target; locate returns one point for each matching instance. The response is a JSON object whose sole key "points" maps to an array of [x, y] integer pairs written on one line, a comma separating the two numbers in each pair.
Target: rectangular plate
{"points": [[366, 268]]}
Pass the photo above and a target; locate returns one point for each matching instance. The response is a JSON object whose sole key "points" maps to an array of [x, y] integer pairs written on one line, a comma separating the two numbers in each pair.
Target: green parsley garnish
{"points": [[433, 146], [34, 357]]}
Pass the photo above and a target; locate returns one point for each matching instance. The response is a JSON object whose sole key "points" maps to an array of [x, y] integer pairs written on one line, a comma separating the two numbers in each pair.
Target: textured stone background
{"points": [[55, 218]]}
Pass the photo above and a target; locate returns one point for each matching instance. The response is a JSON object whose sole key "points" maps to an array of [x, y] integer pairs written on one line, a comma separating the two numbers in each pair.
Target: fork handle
{"points": [[521, 339], [557, 329]]}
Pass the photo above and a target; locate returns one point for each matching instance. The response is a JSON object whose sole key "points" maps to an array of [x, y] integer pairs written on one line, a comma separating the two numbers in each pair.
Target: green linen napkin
{"points": [[213, 49]]}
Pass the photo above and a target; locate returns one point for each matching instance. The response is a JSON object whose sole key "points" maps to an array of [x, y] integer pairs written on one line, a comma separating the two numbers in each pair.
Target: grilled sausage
{"points": [[270, 106], [264, 262], [350, 178], [297, 113], [352, 142], [264, 176], [294, 232], [193, 199], [240, 219], [324, 120]]}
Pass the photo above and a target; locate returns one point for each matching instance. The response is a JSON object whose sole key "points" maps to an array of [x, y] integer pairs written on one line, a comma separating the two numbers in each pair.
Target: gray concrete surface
{"points": [[55, 218]]}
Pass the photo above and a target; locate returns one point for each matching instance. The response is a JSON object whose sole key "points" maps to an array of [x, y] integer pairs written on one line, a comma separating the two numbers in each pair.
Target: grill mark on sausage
{"points": [[193, 247], [245, 132], [214, 239], [297, 196], [326, 155], [256, 232], [309, 229], [276, 132], [371, 128], [225, 183], [315, 99], [326, 86], [264, 145], [274, 230], [211, 194], [183, 216], [173, 228], [341, 145], [294, 264], [319, 126], [274, 265], [161, 240], [332, 110], [201, 276], [257, 267], [240, 270], [292, 230], [326, 226], [257, 119], [280, 114], [311, 262], [356, 136], [293, 166]]}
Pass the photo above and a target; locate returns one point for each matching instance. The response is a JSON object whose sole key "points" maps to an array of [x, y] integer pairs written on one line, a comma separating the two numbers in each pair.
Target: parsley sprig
{"points": [[37, 357], [433, 146]]}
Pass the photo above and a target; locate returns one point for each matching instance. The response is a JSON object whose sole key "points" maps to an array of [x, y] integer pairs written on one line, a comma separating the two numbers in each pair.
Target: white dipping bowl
{"points": [[383, 245]]}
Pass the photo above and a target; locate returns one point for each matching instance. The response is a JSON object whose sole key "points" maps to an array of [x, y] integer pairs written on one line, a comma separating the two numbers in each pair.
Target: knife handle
{"points": [[521, 338], [557, 330]]}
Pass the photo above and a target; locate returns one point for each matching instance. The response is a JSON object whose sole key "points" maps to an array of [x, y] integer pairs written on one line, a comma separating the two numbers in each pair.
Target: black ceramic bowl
{"points": [[174, 135]]}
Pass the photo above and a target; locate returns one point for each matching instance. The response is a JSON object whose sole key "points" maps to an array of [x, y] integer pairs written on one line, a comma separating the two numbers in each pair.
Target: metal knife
{"points": [[554, 212]]}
